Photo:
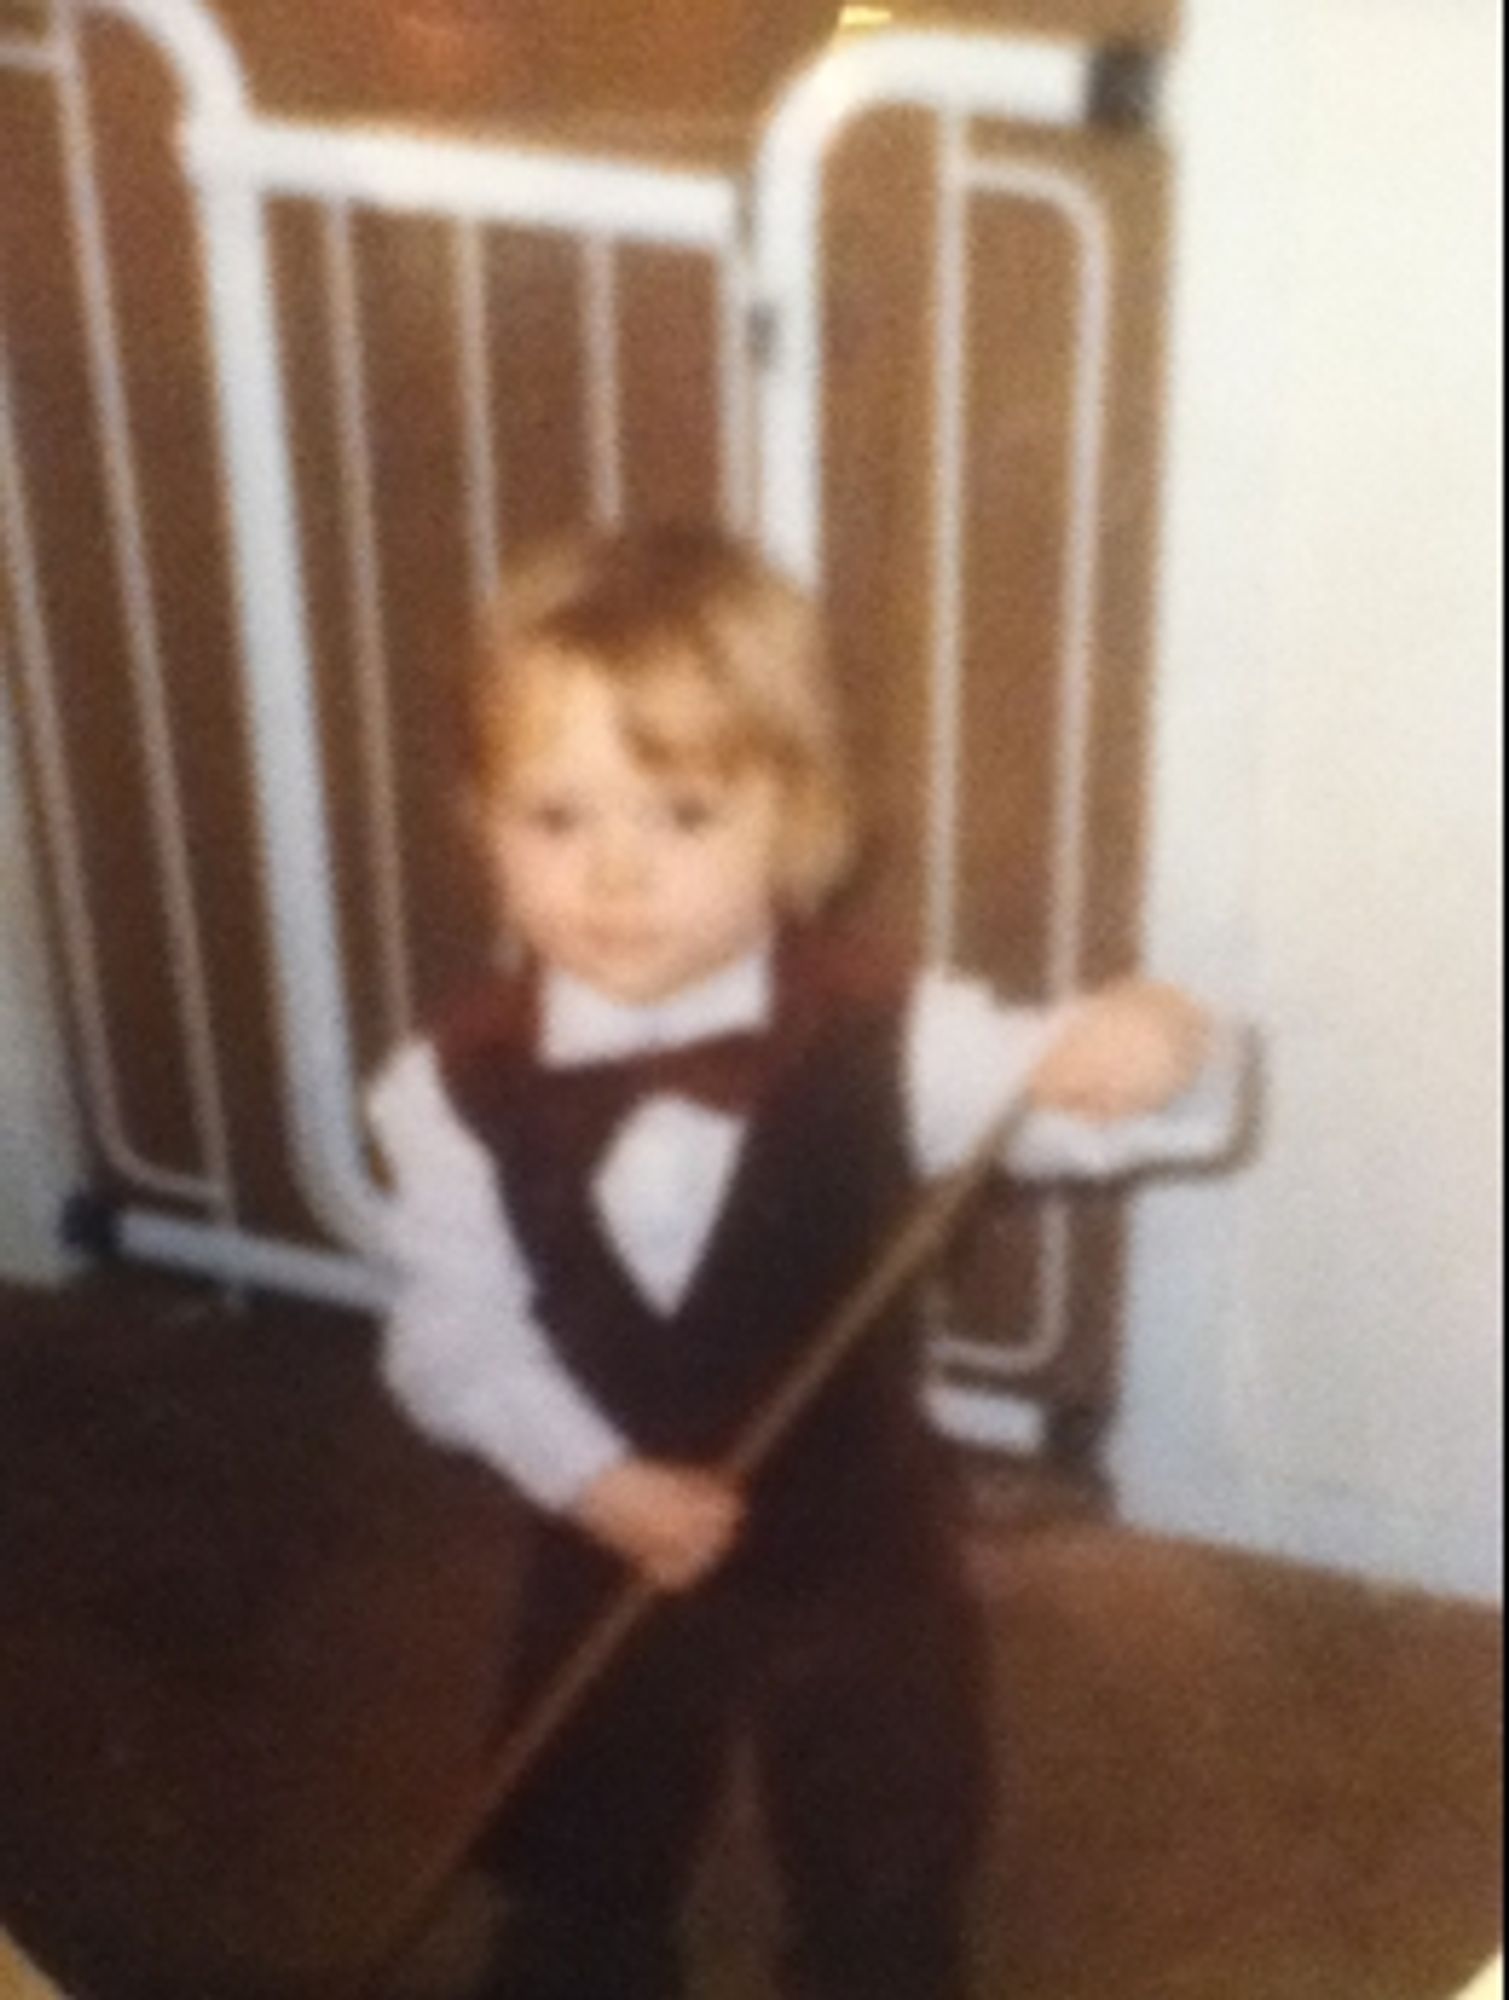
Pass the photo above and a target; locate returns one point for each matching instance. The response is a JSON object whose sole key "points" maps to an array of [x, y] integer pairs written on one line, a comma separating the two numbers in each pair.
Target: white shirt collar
{"points": [[578, 1024]]}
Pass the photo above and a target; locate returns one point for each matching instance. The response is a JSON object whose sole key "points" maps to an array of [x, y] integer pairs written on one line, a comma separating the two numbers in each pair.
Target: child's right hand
{"points": [[673, 1523]]}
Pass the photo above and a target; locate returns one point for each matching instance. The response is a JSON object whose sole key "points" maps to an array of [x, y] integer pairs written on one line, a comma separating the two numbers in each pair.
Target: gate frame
{"points": [[235, 158]]}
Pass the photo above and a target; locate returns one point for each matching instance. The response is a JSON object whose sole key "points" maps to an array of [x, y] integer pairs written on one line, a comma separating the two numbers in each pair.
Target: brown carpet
{"points": [[249, 1642]]}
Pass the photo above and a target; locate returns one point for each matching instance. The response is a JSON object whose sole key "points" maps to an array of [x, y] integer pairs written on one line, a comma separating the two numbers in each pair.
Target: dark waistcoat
{"points": [[822, 1177]]}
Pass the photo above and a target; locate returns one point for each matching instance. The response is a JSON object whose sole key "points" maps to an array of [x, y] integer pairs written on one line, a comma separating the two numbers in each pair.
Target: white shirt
{"points": [[464, 1354]]}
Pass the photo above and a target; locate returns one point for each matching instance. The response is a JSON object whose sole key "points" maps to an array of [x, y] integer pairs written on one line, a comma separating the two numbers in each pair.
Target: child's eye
{"points": [[692, 812], [555, 818]]}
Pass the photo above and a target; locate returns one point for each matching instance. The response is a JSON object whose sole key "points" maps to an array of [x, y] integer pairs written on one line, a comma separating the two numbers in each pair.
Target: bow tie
{"points": [[584, 1104]]}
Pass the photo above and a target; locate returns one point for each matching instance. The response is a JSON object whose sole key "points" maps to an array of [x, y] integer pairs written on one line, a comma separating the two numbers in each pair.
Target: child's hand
{"points": [[673, 1523], [1124, 1052]]}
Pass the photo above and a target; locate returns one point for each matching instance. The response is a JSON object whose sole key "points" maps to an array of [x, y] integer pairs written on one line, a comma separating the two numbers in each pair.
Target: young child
{"points": [[630, 1178]]}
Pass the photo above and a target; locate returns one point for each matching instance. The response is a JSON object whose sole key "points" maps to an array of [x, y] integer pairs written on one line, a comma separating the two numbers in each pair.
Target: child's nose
{"points": [[620, 863]]}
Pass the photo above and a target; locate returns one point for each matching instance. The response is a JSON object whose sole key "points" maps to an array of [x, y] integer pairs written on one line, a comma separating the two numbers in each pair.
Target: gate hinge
{"points": [[89, 1222], [1124, 87]]}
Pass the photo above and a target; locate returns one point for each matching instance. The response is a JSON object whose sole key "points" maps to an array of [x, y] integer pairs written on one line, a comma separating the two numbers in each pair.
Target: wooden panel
{"points": [[1153, 23], [879, 471], [526, 59]]}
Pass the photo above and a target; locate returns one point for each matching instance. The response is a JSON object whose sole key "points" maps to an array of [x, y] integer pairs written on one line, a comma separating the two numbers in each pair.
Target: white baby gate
{"points": [[764, 242]]}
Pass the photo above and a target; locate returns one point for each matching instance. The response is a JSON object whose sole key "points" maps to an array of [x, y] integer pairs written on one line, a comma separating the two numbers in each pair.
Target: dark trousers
{"points": [[864, 1708]]}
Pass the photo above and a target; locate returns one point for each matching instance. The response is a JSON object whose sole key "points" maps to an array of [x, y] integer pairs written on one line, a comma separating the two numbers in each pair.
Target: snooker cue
{"points": [[919, 1236]]}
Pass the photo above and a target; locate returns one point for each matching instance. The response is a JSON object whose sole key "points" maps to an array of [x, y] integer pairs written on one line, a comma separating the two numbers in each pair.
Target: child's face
{"points": [[637, 880]]}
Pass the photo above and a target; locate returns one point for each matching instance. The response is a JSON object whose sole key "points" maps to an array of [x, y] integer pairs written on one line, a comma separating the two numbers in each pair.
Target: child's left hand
{"points": [[1124, 1052]]}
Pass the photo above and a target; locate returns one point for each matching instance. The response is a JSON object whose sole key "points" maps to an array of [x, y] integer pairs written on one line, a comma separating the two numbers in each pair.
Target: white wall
{"points": [[1315, 1347]]}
